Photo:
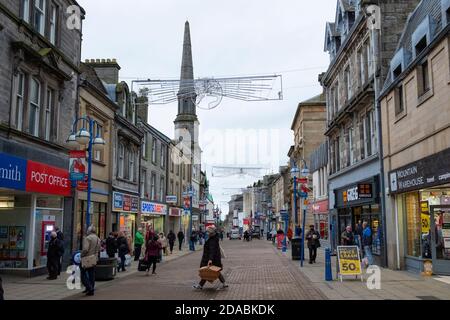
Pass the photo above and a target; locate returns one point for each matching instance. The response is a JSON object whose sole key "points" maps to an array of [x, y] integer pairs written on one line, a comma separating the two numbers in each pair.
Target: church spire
{"points": [[187, 67]]}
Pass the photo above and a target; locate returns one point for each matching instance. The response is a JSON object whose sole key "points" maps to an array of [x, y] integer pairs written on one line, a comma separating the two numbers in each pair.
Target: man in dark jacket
{"points": [[54, 254], [347, 237], [212, 256], [180, 237], [171, 237], [60, 237], [313, 238], [124, 249], [111, 245]]}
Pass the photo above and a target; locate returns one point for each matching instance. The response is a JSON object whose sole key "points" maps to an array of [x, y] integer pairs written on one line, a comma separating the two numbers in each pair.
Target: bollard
{"points": [[328, 272]]}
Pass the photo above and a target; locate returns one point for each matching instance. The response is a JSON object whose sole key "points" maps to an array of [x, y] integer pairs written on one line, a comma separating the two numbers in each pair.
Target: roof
{"points": [[318, 100], [427, 8], [88, 73]]}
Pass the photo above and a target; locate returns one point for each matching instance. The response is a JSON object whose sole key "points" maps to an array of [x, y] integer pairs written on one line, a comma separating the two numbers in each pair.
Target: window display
{"points": [[413, 224]]}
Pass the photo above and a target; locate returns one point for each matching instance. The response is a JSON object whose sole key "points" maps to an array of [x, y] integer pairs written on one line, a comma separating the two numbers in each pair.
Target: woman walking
{"points": [[152, 251], [212, 256], [163, 241]]}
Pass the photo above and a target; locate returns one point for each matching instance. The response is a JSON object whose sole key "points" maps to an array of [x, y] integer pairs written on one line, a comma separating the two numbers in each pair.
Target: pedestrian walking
{"points": [[171, 237], [180, 237], [152, 252], [280, 237], [111, 245], [367, 243], [138, 242], [221, 235], [54, 253], [359, 234], [89, 258], [290, 234], [2, 296], [347, 237], [163, 240], [192, 240], [124, 249], [313, 238], [212, 256], [60, 237]]}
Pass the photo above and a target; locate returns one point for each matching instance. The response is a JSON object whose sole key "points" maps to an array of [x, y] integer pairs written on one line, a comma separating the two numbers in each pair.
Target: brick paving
{"points": [[252, 269]]}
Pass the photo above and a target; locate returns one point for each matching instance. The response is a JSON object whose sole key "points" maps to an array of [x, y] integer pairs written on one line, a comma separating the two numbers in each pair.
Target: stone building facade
{"points": [[39, 75]]}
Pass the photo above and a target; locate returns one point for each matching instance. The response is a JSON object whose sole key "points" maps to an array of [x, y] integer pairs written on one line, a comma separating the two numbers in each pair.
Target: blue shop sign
{"points": [[118, 201], [13, 172]]}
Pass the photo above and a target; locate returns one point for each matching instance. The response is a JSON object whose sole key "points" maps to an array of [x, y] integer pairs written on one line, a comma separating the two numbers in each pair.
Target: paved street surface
{"points": [[253, 271]]}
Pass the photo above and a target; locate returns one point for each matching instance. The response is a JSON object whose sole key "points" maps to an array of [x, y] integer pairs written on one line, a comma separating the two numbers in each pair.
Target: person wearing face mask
{"points": [[313, 238]]}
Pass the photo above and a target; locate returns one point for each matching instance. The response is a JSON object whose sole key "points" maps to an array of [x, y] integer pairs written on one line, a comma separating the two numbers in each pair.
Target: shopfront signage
{"points": [[153, 208], [320, 206], [171, 199], [194, 218], [363, 192], [428, 172], [26, 175], [349, 261], [125, 203], [425, 216], [175, 212]]}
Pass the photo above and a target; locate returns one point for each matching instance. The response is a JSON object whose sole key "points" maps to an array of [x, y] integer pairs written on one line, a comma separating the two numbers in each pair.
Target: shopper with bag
{"points": [[89, 258], [152, 252], [212, 256], [138, 242], [124, 249], [313, 238]]}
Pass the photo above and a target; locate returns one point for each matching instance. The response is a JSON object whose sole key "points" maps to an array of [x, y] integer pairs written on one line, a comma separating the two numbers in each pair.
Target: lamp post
{"points": [[191, 243], [294, 173], [85, 137], [305, 173]]}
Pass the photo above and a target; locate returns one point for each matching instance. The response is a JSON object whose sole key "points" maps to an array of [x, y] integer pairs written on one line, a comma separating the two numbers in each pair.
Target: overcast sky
{"points": [[229, 38]]}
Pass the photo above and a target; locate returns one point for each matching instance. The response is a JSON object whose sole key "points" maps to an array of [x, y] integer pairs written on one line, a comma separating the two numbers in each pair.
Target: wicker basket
{"points": [[210, 274]]}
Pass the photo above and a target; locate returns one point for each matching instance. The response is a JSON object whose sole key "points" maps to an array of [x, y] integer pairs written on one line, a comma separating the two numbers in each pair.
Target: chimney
{"points": [[142, 106], [106, 69]]}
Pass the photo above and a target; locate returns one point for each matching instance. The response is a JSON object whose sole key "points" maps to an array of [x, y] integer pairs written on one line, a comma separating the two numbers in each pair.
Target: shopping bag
{"points": [[127, 260], [143, 265], [104, 255]]}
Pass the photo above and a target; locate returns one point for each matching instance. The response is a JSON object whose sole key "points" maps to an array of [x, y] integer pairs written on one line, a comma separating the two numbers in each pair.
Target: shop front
{"points": [[321, 219], [421, 193], [174, 219], [357, 203], [32, 206], [126, 208], [153, 216]]}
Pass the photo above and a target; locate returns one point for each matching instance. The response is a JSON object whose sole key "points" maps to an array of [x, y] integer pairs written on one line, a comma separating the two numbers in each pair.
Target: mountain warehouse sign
{"points": [[428, 172]]}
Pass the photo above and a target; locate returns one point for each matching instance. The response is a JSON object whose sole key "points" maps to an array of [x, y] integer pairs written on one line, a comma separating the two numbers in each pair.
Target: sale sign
{"points": [[349, 261], [45, 179]]}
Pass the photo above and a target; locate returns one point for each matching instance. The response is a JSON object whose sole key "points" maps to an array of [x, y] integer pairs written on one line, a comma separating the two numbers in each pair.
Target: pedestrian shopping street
{"points": [[254, 270]]}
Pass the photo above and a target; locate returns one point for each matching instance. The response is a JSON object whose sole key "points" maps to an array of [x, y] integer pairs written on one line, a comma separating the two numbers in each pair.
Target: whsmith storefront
{"points": [[420, 192], [361, 202], [35, 198]]}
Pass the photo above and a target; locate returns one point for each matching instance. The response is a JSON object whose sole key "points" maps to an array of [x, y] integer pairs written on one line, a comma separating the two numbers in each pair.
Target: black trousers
{"points": [[1, 290], [171, 244], [122, 263], [53, 267], [180, 243], [221, 278], [152, 262], [88, 278], [137, 252], [312, 253]]}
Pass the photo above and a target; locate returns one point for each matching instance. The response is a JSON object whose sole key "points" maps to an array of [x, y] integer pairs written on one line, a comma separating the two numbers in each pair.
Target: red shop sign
{"points": [[42, 178], [320, 207], [126, 203]]}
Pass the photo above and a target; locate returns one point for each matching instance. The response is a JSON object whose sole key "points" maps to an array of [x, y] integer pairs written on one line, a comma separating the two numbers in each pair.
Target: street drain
{"points": [[428, 298]]}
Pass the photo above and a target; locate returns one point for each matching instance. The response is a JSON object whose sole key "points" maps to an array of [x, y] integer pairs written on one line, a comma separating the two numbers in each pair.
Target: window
{"points": [[153, 187], [53, 23], [348, 84], [368, 133], [177, 192], [363, 67], [369, 52], [144, 146], [351, 146], [347, 148], [172, 164], [163, 156], [171, 191], [421, 46], [413, 223], [35, 102], [337, 154], [399, 105], [154, 142], [121, 162], [178, 169], [20, 96], [361, 138], [144, 184], [162, 185], [183, 170], [131, 168], [397, 71], [423, 78], [25, 10], [49, 107], [39, 16]]}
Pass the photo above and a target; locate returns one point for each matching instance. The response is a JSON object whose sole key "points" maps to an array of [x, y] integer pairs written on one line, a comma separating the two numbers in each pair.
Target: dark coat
{"points": [[313, 243], [111, 246], [211, 251], [180, 236], [122, 243], [171, 237], [153, 248], [1, 290], [350, 236], [55, 250]]}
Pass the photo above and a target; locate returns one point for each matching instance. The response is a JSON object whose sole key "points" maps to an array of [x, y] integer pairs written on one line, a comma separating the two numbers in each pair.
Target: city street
{"points": [[253, 270]]}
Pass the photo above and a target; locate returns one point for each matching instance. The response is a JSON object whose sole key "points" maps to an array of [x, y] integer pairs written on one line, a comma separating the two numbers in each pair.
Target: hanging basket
{"points": [[210, 274]]}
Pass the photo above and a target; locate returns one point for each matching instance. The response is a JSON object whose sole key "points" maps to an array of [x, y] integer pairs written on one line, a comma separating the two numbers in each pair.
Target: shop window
{"points": [[413, 224]]}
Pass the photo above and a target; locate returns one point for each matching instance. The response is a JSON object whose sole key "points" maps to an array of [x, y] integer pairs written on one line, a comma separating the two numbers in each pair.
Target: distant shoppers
{"points": [[89, 257], [60, 237], [111, 245], [280, 238], [54, 254], [367, 243], [313, 238], [180, 237], [124, 249], [171, 237], [212, 256], [347, 237], [152, 251], [2, 297], [138, 242]]}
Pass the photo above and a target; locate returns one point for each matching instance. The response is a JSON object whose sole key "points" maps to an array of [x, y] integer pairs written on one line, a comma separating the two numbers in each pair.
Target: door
{"points": [[440, 238]]}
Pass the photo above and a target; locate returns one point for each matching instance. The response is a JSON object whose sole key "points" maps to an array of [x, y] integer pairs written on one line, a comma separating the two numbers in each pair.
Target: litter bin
{"points": [[296, 251], [106, 269]]}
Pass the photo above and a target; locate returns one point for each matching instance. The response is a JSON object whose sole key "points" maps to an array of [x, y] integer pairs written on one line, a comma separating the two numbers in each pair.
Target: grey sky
{"points": [[229, 38]]}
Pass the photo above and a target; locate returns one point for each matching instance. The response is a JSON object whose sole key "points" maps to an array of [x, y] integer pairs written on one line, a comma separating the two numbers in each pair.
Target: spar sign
{"points": [[349, 261]]}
